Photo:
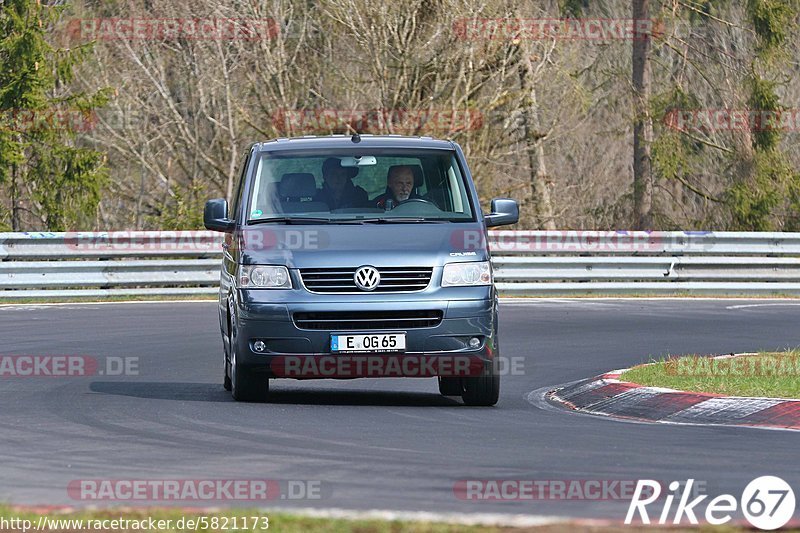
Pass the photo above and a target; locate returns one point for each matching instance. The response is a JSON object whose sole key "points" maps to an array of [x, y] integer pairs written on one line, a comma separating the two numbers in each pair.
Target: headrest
{"points": [[297, 187]]}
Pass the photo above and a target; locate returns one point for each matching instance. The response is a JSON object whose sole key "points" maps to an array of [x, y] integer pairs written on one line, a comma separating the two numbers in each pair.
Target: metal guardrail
{"points": [[636, 243], [527, 263], [109, 245]]}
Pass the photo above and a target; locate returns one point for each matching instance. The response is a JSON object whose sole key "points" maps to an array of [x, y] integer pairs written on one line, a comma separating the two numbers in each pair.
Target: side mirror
{"points": [[504, 211], [215, 216]]}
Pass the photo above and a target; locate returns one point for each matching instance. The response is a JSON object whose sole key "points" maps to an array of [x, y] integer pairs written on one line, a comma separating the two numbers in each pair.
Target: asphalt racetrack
{"points": [[379, 443]]}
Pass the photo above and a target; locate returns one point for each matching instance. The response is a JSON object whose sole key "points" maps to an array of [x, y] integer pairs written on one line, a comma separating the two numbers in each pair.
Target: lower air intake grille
{"points": [[368, 320]]}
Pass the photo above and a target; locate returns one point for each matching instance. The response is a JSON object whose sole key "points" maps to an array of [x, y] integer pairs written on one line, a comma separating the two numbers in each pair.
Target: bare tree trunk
{"points": [[140, 196], [533, 138], [643, 125], [14, 199]]}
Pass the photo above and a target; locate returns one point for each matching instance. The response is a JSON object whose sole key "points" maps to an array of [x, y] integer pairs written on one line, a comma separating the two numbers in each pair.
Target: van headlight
{"points": [[264, 277], [467, 274]]}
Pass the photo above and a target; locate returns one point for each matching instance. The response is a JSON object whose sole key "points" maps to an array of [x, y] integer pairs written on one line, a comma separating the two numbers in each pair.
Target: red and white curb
{"points": [[607, 395]]}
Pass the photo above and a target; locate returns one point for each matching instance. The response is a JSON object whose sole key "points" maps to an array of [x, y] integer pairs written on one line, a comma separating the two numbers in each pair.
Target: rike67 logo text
{"points": [[767, 502]]}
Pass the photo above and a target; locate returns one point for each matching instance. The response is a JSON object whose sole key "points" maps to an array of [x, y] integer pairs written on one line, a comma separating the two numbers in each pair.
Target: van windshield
{"points": [[377, 185]]}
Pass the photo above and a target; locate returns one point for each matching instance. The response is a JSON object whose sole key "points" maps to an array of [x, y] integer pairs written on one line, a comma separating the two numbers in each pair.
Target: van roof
{"points": [[345, 141]]}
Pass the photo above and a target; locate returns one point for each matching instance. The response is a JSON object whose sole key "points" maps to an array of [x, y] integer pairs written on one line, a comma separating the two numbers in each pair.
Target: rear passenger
{"points": [[338, 190]]}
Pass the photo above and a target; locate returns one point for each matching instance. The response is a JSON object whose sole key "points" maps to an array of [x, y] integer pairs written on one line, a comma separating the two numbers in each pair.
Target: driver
{"points": [[399, 187]]}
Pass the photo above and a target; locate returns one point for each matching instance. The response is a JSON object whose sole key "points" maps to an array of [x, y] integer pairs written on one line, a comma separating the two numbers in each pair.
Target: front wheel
{"points": [[483, 390], [246, 386]]}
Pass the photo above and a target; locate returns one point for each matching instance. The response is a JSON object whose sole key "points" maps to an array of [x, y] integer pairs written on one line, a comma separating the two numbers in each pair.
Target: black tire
{"points": [[226, 380], [246, 386], [483, 390], [450, 386]]}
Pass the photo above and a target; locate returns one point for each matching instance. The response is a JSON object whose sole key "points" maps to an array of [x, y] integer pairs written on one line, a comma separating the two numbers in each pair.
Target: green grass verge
{"points": [[767, 374]]}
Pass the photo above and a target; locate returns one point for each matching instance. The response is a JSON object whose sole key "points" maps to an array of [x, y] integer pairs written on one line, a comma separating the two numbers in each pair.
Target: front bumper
{"points": [[294, 352]]}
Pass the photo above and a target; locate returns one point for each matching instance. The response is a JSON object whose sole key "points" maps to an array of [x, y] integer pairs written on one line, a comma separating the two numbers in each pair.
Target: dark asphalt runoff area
{"points": [[392, 444]]}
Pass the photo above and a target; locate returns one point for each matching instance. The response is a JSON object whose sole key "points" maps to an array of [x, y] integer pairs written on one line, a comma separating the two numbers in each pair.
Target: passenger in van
{"points": [[401, 185], [338, 190]]}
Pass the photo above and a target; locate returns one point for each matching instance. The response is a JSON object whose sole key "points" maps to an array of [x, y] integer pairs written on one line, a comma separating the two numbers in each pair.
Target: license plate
{"points": [[375, 342]]}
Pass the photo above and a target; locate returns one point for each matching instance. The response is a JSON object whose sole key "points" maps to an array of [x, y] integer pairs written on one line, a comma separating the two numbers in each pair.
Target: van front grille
{"points": [[368, 320], [340, 280]]}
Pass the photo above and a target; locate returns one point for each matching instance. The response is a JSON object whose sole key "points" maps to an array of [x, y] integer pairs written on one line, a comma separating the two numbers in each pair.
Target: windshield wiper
{"points": [[400, 220], [321, 220], [291, 220]]}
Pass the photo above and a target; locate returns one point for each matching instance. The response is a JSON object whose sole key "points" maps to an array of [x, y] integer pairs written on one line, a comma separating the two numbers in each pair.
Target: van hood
{"points": [[353, 245]]}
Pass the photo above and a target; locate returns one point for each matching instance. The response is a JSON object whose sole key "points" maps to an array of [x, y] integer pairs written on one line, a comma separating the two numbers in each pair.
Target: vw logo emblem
{"points": [[367, 278]]}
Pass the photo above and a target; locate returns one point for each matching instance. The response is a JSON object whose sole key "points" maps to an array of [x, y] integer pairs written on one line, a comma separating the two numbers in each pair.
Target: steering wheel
{"points": [[415, 200]]}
